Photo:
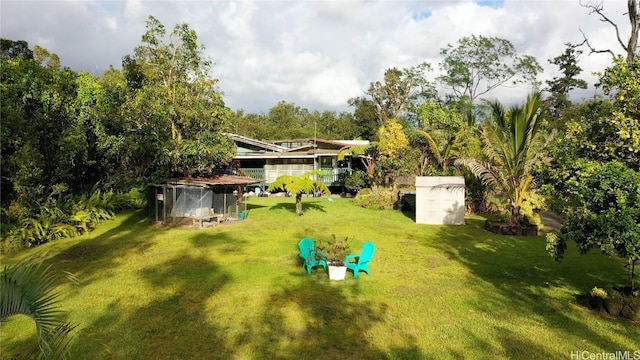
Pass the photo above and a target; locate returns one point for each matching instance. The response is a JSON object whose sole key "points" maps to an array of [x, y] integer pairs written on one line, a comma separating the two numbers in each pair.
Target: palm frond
{"points": [[488, 174], [433, 146], [29, 288], [357, 150], [305, 183]]}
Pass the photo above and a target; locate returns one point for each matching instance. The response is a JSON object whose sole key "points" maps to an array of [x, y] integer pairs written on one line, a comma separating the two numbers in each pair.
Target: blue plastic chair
{"points": [[362, 259], [311, 257]]}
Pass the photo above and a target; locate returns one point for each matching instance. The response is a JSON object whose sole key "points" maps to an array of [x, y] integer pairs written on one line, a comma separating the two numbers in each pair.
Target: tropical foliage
{"points": [[445, 135], [595, 174], [368, 154], [512, 144], [71, 138], [605, 213], [306, 183], [479, 64], [29, 288], [68, 216]]}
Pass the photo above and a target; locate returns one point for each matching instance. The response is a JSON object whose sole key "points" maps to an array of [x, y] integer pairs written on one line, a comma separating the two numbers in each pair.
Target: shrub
{"points": [[134, 199], [378, 197], [356, 180], [532, 204], [66, 216]]}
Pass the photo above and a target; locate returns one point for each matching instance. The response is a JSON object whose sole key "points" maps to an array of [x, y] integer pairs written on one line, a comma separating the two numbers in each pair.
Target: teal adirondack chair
{"points": [[311, 257], [362, 259]]}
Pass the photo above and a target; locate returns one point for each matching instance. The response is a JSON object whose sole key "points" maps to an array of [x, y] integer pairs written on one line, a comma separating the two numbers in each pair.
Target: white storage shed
{"points": [[440, 200]]}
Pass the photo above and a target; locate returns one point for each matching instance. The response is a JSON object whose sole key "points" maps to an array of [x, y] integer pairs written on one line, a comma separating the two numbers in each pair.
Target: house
{"points": [[268, 160]]}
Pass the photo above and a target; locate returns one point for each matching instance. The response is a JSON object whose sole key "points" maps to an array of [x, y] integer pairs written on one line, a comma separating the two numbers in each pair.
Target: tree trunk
{"points": [[633, 275], [516, 217], [634, 19], [299, 204]]}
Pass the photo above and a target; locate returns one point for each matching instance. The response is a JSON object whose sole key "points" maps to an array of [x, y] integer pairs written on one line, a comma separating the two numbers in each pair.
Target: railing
{"points": [[333, 177], [255, 173]]}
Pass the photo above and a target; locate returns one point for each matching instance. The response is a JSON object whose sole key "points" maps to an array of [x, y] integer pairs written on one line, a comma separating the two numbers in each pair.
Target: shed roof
{"points": [[215, 180]]}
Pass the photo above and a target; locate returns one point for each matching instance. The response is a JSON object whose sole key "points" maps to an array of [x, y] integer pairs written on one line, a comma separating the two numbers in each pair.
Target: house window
{"points": [[326, 162]]}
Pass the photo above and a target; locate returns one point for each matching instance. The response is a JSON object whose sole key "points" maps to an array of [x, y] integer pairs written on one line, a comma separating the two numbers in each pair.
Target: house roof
{"points": [[214, 180], [258, 143], [309, 142], [294, 148]]}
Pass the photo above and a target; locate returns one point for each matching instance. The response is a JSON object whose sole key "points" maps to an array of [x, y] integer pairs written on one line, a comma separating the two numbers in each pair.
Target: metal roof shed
{"points": [[184, 200]]}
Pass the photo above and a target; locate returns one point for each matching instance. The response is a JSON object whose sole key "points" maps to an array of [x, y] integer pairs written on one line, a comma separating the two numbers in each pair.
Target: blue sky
{"points": [[316, 54], [491, 3]]}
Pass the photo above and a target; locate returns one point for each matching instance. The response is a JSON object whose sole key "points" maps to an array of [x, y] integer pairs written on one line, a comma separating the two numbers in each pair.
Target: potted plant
{"points": [[335, 251]]}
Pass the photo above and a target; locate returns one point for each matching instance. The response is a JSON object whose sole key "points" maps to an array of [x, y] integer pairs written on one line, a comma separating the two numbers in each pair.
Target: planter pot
{"points": [[337, 272]]}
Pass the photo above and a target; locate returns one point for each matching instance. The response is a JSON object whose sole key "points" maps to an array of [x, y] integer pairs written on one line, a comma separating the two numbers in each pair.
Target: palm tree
{"points": [[512, 145], [442, 156], [28, 288], [303, 184]]}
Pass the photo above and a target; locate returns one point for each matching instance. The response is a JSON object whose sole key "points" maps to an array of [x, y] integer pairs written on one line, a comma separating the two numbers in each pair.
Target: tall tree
{"points": [[14, 49], [595, 172], [365, 117], [399, 91], [394, 158], [285, 121], [479, 64], [175, 109], [630, 46], [38, 139], [559, 87]]}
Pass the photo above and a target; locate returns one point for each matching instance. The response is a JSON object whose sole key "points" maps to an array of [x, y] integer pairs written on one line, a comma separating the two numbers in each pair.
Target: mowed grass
{"points": [[238, 291]]}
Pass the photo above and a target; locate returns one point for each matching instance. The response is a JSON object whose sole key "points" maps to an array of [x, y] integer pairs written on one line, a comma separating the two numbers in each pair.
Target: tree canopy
{"points": [[595, 172], [174, 105], [306, 183], [479, 64]]}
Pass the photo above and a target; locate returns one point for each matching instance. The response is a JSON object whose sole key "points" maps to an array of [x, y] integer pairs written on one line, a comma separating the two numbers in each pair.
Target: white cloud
{"points": [[316, 54]]}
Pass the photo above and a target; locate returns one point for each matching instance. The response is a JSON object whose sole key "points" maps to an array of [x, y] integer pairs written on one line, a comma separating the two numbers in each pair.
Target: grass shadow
{"points": [[252, 206], [306, 207], [226, 242], [522, 276], [97, 254], [411, 214], [174, 325], [295, 324]]}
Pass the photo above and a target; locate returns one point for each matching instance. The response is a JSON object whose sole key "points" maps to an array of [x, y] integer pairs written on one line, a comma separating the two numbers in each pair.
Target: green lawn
{"points": [[239, 291]]}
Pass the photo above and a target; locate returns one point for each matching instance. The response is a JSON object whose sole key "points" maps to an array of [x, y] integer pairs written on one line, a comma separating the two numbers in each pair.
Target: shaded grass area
{"points": [[239, 291]]}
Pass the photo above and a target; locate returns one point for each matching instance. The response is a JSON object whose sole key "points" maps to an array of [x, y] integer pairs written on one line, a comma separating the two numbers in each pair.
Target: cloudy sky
{"points": [[316, 54]]}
